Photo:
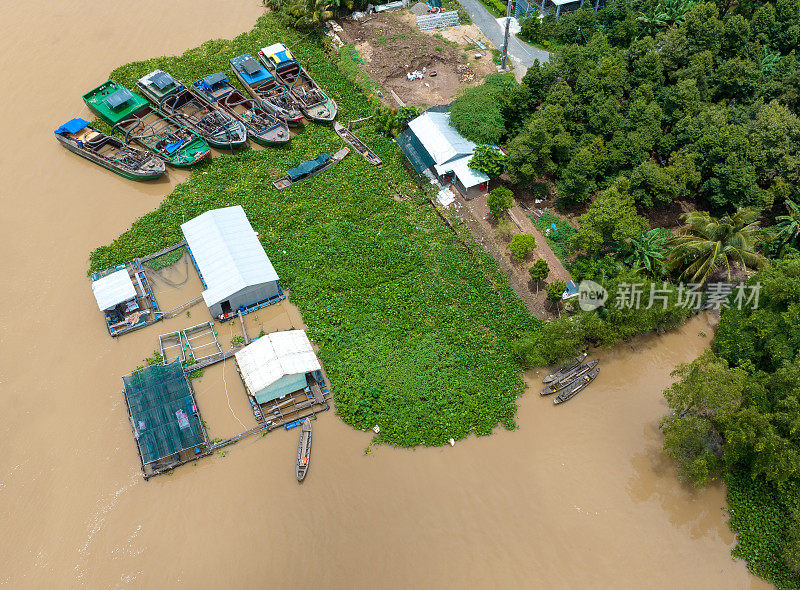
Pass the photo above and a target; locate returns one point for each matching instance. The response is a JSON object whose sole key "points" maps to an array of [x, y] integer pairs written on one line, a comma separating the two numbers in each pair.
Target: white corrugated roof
{"points": [[274, 356], [227, 252], [113, 289], [439, 138], [273, 49], [468, 176]]}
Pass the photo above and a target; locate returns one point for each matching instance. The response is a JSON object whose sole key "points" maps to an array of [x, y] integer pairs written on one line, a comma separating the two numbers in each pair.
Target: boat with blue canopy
{"points": [[315, 104], [133, 116], [79, 137], [262, 126], [263, 86], [310, 168], [174, 99]]}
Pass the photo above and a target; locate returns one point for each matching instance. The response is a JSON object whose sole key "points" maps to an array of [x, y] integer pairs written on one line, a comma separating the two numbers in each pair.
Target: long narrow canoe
{"points": [[357, 144], [315, 104], [568, 365], [578, 385], [304, 450], [174, 99], [310, 168], [132, 115], [263, 86], [262, 126], [109, 152], [569, 377]]}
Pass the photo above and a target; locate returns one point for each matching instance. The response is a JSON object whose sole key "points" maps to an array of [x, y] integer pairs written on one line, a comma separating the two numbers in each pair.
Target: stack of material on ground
{"points": [[419, 9]]}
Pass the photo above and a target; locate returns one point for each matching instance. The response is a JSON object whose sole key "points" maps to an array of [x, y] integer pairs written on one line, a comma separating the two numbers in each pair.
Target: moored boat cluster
{"points": [[175, 124], [571, 378]]}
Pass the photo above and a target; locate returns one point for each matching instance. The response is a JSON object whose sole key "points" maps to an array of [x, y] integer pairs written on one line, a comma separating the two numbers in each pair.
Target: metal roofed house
{"points": [[235, 270], [124, 296], [431, 143], [113, 289], [276, 364]]}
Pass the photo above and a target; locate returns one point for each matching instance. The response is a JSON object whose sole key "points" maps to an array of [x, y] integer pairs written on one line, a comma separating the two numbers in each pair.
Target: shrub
{"points": [[539, 272], [477, 113], [489, 160], [500, 200], [521, 245]]}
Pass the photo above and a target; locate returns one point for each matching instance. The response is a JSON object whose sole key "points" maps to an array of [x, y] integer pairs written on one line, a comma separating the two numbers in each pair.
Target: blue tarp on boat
{"points": [[171, 147], [283, 57], [72, 126], [162, 80], [308, 167]]}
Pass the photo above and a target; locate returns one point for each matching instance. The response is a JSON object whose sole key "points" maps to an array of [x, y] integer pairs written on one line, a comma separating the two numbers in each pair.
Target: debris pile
{"points": [[465, 74]]}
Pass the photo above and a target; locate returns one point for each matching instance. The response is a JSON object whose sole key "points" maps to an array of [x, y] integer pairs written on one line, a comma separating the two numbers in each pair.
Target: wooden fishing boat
{"points": [[315, 104], [568, 365], [310, 168], [357, 144], [579, 384], [569, 377], [304, 450], [172, 98], [262, 126], [263, 86], [109, 152], [132, 115]]}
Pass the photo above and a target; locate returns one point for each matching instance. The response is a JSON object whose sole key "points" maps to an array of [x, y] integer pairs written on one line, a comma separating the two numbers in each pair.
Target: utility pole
{"points": [[505, 39]]}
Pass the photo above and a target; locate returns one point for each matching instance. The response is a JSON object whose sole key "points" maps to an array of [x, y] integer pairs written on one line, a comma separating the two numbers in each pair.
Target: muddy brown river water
{"points": [[580, 496]]}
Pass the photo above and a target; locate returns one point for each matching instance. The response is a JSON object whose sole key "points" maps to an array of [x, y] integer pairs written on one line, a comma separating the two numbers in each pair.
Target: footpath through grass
{"points": [[414, 330]]}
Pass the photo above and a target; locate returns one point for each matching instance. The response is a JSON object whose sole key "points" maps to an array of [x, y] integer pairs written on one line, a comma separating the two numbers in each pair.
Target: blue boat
{"points": [[263, 127], [310, 168], [264, 87]]}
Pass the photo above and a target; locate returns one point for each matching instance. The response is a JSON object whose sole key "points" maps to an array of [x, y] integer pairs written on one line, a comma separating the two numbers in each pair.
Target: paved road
{"points": [[522, 55]]}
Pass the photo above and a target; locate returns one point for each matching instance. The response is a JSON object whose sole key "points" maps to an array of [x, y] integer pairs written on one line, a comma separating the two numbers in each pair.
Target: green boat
{"points": [[140, 122]]}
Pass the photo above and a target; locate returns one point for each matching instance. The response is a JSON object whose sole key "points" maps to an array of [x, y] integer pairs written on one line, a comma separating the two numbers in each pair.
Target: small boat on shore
{"points": [[563, 368], [263, 127], [175, 144], [109, 152], [315, 104], [577, 385], [310, 168], [264, 87], [357, 144], [304, 450], [569, 377], [174, 99]]}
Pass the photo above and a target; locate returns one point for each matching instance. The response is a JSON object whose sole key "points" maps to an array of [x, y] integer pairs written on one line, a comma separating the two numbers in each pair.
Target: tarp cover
{"points": [[163, 411], [72, 126], [250, 66], [277, 358], [309, 166], [113, 289], [227, 252], [278, 52], [118, 98], [215, 78], [161, 79]]}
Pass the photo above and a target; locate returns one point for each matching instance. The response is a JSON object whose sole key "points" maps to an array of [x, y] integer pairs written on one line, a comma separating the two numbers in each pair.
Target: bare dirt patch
{"points": [[392, 47]]}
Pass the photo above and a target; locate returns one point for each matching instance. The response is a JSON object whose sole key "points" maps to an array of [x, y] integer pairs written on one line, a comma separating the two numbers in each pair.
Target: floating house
{"points": [[125, 307], [233, 267], [276, 365], [164, 417], [433, 146]]}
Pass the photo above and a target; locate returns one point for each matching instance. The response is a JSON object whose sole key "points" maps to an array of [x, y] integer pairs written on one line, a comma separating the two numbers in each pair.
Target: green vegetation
{"points": [[539, 272], [521, 245], [706, 244], [350, 68], [736, 414], [559, 239], [489, 160], [500, 200], [477, 112], [416, 330], [166, 260]]}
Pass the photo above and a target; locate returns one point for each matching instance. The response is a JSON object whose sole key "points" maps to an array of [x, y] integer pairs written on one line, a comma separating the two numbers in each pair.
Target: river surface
{"points": [[579, 496]]}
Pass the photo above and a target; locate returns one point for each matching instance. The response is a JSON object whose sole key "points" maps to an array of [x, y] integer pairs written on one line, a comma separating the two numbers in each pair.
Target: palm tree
{"points": [[707, 243], [308, 14], [675, 10], [788, 227], [648, 251], [653, 21]]}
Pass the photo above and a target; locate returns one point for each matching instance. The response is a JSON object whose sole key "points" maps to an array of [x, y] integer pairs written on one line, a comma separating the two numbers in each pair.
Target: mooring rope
{"points": [[225, 383]]}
